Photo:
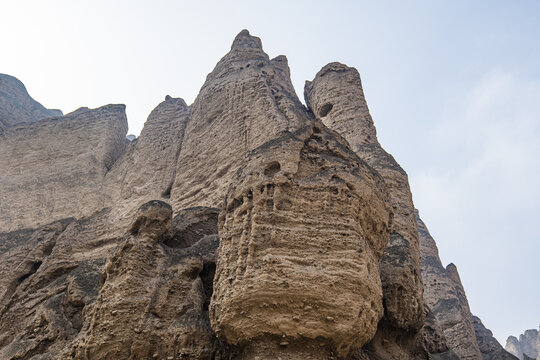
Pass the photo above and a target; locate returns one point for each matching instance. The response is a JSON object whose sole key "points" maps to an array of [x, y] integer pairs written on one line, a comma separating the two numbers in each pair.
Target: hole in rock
{"points": [[207, 277], [272, 168], [325, 109], [35, 267]]}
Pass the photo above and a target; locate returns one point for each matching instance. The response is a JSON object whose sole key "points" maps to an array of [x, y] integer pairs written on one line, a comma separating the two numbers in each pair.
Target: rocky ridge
{"points": [[244, 226], [528, 345]]}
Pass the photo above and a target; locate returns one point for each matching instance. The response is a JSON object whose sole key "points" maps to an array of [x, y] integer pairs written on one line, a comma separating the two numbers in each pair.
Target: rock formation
{"points": [[246, 101], [17, 107], [55, 168], [488, 345], [112, 247], [305, 220], [446, 298], [336, 98], [528, 345]]}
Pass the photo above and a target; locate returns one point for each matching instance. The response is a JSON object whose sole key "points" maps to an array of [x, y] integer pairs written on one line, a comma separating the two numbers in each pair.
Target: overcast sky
{"points": [[453, 88]]}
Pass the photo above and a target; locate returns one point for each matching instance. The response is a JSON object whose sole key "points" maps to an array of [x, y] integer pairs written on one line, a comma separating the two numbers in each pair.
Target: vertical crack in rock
{"points": [[302, 231]]}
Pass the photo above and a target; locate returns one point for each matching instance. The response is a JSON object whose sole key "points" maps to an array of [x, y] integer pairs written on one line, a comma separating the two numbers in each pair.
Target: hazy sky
{"points": [[453, 87]]}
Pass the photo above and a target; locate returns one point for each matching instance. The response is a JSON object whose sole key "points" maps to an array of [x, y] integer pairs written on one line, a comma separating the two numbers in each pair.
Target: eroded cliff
{"points": [[244, 226]]}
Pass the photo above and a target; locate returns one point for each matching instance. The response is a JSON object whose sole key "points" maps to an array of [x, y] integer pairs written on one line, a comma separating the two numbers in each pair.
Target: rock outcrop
{"points": [[302, 231], [246, 101], [446, 298], [244, 226], [55, 168], [488, 345], [337, 99], [16, 105], [528, 345]]}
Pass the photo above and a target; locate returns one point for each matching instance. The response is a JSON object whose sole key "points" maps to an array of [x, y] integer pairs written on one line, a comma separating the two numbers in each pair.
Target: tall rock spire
{"points": [[246, 100], [336, 97]]}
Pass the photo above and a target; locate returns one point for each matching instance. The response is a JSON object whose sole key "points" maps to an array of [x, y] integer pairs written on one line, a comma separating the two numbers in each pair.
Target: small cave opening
{"points": [[325, 109], [272, 169], [32, 271], [207, 277], [167, 193]]}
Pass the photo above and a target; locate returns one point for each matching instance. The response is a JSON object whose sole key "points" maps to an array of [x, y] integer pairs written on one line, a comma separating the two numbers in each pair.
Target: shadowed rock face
{"points": [[488, 345], [445, 296], [303, 229], [160, 292], [147, 168], [17, 107], [336, 98]]}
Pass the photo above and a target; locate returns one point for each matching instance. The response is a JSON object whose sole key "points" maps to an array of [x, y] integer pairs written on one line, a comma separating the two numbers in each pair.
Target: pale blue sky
{"points": [[453, 87]]}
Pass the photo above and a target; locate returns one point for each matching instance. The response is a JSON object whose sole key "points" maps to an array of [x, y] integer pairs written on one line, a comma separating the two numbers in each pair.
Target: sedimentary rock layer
{"points": [[246, 100], [55, 168], [303, 229], [336, 98]]}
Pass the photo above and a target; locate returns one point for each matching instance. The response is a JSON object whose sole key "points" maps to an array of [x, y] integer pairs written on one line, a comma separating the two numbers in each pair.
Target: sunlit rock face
{"points": [[55, 168], [247, 100], [335, 96], [302, 231]]}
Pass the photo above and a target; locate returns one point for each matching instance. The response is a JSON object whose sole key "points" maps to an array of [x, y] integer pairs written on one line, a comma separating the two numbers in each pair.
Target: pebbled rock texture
{"points": [[246, 100], [304, 221], [109, 245], [336, 98]]}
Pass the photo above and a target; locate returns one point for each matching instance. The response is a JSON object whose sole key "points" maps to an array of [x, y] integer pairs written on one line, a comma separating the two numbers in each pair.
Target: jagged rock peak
{"points": [[337, 91], [244, 40]]}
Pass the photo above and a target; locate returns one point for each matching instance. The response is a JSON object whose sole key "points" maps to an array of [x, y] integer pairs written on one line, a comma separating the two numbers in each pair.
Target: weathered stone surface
{"points": [[336, 97], [488, 345], [246, 100], [303, 229], [17, 107], [444, 294], [147, 169], [55, 168], [50, 277], [153, 301], [303, 271], [527, 345]]}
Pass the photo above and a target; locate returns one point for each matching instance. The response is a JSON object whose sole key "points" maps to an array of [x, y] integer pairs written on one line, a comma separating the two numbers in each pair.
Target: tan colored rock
{"points": [[147, 169], [50, 277], [302, 231], [246, 100], [153, 301], [55, 168], [336, 98], [444, 294]]}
